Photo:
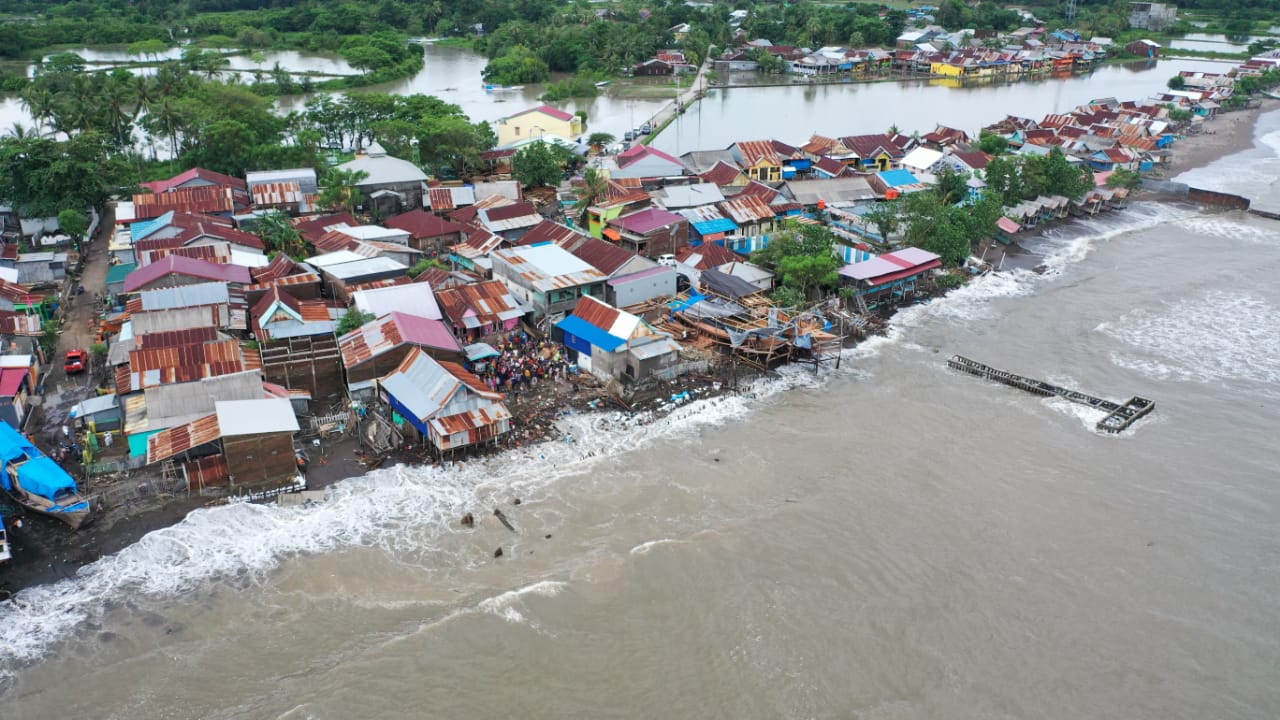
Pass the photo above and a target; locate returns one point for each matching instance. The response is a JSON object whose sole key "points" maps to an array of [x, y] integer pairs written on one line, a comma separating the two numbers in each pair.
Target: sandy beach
{"points": [[1229, 133]]}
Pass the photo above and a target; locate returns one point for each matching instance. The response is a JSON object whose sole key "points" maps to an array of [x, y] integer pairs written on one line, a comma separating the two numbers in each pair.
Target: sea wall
{"points": [[1197, 195]]}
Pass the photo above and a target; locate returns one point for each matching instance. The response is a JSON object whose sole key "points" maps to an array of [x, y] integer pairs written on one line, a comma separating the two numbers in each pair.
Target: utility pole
{"points": [[1071, 12]]}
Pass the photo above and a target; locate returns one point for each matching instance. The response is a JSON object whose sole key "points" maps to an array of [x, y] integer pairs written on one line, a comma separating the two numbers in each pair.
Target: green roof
{"points": [[117, 273]]}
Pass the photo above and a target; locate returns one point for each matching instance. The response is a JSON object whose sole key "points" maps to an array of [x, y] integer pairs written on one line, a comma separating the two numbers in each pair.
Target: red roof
{"points": [[546, 110], [712, 255], [548, 230], [600, 254], [393, 330], [201, 199], [508, 212], [177, 181], [177, 265], [722, 173], [314, 227], [11, 380]]}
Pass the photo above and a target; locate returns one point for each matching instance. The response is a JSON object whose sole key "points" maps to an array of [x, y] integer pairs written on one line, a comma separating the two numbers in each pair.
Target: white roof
{"points": [[366, 266], [9, 274], [548, 266], [93, 405], [375, 232], [684, 196], [125, 211], [340, 257], [275, 176], [412, 299], [383, 169], [249, 417], [15, 361], [249, 258], [921, 158], [210, 293]]}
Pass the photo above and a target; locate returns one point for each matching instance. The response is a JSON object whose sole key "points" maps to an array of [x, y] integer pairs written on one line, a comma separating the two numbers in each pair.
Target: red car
{"points": [[77, 361]]}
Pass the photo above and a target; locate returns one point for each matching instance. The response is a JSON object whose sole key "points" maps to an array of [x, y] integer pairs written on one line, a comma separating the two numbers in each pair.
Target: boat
{"points": [[602, 83], [5, 554], [38, 483]]}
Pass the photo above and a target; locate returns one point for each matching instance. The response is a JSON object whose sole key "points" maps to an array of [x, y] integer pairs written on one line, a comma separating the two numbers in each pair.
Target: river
{"points": [[890, 540], [793, 113]]}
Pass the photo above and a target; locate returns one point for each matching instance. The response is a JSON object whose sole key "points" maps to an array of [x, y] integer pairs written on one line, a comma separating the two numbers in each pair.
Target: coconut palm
{"points": [[594, 187], [341, 191]]}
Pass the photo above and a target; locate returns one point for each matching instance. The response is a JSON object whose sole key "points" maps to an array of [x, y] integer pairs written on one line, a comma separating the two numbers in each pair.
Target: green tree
{"points": [[353, 319], [341, 191], [1124, 178], [599, 140], [950, 186], [808, 273], [518, 65], [595, 185], [993, 144], [1177, 82], [884, 218], [536, 165], [426, 264], [74, 223], [280, 235], [42, 176]]}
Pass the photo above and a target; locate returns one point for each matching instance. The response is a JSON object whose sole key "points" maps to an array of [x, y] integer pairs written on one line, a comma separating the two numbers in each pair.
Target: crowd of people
{"points": [[522, 363]]}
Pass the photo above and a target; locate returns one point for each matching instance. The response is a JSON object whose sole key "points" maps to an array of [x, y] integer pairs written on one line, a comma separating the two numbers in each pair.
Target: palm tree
{"points": [[117, 105], [594, 186], [18, 131], [340, 189]]}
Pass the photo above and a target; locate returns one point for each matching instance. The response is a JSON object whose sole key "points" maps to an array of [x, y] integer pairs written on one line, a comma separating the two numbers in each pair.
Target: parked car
{"points": [[668, 260], [645, 129], [77, 361], [629, 135]]}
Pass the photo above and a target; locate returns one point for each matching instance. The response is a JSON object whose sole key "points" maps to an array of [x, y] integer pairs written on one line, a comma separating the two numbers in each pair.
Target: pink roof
{"points": [[1008, 225], [181, 265], [424, 331], [637, 152], [646, 221], [547, 110], [892, 266]]}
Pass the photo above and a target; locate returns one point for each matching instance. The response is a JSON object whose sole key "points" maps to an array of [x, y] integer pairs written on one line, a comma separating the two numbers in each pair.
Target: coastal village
{"points": [[432, 321]]}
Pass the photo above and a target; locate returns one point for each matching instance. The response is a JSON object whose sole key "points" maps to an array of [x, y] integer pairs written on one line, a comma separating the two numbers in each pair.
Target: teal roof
{"points": [[140, 230], [117, 273]]}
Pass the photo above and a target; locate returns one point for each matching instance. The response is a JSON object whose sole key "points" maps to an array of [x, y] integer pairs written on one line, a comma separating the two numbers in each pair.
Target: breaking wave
{"points": [[406, 510], [1220, 335]]}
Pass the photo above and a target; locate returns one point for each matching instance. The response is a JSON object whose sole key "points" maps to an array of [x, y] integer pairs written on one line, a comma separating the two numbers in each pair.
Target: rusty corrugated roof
{"points": [[177, 440]]}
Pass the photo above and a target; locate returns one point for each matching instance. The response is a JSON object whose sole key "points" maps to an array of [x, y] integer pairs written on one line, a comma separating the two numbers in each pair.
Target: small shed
{"points": [[116, 276], [102, 412], [15, 392], [257, 440], [633, 289]]}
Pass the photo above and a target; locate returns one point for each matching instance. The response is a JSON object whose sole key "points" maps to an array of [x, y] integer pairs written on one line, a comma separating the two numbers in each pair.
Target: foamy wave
{"points": [[402, 510], [644, 547], [503, 605], [1222, 335], [1221, 228]]}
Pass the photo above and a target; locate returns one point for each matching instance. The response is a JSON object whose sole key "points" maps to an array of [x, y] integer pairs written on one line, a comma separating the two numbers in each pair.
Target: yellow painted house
{"points": [[538, 122]]}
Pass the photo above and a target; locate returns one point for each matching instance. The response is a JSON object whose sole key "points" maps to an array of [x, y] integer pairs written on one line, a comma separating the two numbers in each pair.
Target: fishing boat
{"points": [[5, 554], [38, 483]]}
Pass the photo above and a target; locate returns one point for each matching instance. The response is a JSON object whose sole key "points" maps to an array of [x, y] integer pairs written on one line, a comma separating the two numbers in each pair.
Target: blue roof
{"points": [[719, 225], [140, 230], [575, 325], [895, 178]]}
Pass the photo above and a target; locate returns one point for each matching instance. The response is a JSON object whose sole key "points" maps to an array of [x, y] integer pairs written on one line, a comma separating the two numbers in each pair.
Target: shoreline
{"points": [[61, 552]]}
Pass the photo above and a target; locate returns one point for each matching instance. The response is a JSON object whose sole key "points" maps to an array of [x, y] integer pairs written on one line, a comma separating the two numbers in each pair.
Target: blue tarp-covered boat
{"points": [[37, 482]]}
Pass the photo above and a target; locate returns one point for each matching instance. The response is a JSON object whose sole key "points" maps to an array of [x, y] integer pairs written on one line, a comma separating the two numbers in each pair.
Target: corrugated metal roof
{"points": [[365, 267], [617, 323], [177, 440], [277, 193], [391, 331], [174, 338], [414, 299], [213, 293], [204, 199], [646, 221], [484, 303], [251, 417], [190, 267], [549, 267]]}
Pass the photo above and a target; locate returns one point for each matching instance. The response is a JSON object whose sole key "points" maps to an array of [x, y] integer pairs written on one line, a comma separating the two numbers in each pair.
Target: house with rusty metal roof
{"points": [[195, 177], [243, 444], [278, 315], [546, 276], [180, 356], [447, 406], [481, 309], [427, 231], [377, 347], [444, 199], [611, 343], [208, 200], [509, 222], [645, 161]]}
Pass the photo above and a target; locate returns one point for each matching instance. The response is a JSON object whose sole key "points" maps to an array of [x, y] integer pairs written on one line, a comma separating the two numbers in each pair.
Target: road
{"points": [[669, 111]]}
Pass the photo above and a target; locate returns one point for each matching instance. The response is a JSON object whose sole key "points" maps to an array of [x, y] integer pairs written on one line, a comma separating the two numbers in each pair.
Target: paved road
{"points": [[667, 112]]}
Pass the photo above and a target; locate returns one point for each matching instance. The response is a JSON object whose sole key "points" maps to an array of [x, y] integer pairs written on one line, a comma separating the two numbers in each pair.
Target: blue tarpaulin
{"points": [[39, 475], [579, 328]]}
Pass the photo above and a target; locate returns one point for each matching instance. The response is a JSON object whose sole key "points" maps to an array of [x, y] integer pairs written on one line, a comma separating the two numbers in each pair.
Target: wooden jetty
{"points": [[1119, 415]]}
